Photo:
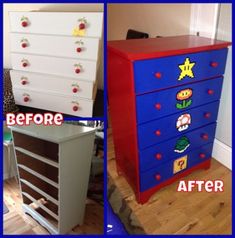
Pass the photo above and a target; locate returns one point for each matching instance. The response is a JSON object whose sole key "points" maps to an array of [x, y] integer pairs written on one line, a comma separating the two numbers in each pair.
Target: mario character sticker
{"points": [[180, 164], [186, 69], [182, 144], [183, 97], [183, 122]]}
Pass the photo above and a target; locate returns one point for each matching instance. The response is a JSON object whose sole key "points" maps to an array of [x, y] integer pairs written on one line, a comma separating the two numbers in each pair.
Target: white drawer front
{"points": [[44, 82], [54, 65], [56, 23], [61, 46], [53, 102]]}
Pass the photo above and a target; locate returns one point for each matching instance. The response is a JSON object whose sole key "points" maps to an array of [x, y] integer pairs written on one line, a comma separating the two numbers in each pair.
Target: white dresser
{"points": [[55, 57], [54, 165]]}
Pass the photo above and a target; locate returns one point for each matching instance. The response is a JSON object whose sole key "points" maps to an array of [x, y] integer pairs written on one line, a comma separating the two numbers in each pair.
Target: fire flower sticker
{"points": [[183, 96]]}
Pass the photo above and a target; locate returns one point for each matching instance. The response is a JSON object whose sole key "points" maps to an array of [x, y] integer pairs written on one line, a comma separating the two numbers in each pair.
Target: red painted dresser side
{"points": [[121, 99]]}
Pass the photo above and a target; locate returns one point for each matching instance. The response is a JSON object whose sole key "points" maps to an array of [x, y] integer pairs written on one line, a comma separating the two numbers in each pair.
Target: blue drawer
{"points": [[167, 127], [167, 170], [155, 74], [162, 152], [158, 104]]}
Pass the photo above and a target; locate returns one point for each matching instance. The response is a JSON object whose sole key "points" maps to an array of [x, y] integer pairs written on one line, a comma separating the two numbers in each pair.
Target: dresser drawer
{"points": [[54, 102], [158, 104], [74, 68], [167, 170], [155, 74], [45, 82], [56, 23], [61, 46], [181, 145], [165, 128]]}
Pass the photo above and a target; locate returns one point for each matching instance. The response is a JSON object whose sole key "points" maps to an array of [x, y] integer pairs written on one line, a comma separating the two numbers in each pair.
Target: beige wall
{"points": [[154, 19], [44, 7]]}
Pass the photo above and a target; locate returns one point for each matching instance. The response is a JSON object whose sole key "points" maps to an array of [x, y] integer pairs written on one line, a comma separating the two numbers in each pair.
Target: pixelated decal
{"points": [[186, 69], [183, 97], [182, 144], [183, 122], [180, 164]]}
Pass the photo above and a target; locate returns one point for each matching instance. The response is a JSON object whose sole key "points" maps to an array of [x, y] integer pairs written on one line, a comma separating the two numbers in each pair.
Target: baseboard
{"points": [[222, 153]]}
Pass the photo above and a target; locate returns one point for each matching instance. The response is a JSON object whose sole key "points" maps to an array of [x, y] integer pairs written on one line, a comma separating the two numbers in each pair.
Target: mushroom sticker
{"points": [[182, 144], [183, 122], [183, 97]]}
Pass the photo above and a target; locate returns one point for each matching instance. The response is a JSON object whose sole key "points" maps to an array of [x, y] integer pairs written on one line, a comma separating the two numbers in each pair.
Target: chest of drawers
{"points": [[163, 99], [55, 58], [54, 166]]}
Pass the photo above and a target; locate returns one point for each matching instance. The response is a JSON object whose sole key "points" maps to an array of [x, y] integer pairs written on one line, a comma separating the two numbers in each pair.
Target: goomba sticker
{"points": [[186, 69], [182, 144], [183, 122], [183, 97], [180, 164]]}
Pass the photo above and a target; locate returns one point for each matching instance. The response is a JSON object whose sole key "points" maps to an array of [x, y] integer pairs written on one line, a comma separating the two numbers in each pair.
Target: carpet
{"points": [[5, 209]]}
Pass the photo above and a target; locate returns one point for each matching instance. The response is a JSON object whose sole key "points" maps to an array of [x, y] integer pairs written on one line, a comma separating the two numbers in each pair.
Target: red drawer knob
{"points": [[214, 64], [79, 49], [158, 156], [82, 26], [205, 136], [77, 71], [210, 91], [158, 177], [24, 64], [158, 75], [26, 98], [24, 23], [75, 108], [75, 90], [23, 82], [158, 132], [158, 106], [207, 115], [24, 45], [202, 156]]}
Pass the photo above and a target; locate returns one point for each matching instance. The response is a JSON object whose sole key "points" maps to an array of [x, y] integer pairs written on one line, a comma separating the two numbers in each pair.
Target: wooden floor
{"points": [[171, 212], [16, 222]]}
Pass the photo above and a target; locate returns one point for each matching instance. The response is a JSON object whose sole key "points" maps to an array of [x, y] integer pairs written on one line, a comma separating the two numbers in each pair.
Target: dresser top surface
{"points": [[138, 49], [54, 134]]}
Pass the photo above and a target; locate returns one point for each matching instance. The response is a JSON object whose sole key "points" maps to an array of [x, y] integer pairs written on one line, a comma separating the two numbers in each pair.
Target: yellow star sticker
{"points": [[77, 32], [186, 69]]}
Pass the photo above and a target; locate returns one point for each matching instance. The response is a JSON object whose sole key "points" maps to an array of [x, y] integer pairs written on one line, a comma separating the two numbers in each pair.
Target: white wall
{"points": [[45, 7], [154, 19]]}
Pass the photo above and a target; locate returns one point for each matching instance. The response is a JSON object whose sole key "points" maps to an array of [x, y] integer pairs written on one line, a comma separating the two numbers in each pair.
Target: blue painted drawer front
{"points": [[148, 159], [176, 124], [170, 99], [168, 67], [148, 179]]}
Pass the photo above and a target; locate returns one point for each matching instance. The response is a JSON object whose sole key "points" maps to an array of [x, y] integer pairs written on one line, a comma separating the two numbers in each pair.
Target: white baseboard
{"points": [[222, 153]]}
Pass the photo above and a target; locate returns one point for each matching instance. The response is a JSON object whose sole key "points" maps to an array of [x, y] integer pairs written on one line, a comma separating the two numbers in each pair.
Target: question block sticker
{"points": [[180, 164]]}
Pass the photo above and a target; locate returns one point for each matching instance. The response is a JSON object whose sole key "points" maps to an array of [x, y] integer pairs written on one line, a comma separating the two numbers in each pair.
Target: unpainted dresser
{"points": [[54, 166], [55, 57], [164, 96]]}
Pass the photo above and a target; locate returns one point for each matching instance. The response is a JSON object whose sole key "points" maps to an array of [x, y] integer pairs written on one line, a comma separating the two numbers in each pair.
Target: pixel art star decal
{"points": [[186, 69]]}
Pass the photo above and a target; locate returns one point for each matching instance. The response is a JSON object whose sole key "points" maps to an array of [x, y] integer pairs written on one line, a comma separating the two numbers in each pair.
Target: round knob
{"points": [[214, 64], [79, 49], [24, 23], [158, 156], [26, 98], [158, 75], [207, 115], [75, 90], [158, 106], [75, 108], [158, 177], [202, 156], [77, 71], [210, 91], [23, 82], [24, 45], [24, 64], [205, 136], [82, 26], [158, 132]]}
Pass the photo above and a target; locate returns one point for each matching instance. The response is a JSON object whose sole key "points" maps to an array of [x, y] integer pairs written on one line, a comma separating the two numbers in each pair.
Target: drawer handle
{"points": [[24, 43], [158, 132], [158, 106], [82, 23], [207, 115], [205, 136], [79, 44], [202, 156], [158, 75], [75, 88], [24, 63], [24, 81], [75, 106], [24, 21], [210, 91], [158, 156], [26, 98], [158, 177], [78, 68], [214, 64]]}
